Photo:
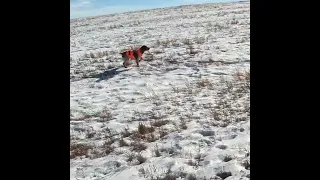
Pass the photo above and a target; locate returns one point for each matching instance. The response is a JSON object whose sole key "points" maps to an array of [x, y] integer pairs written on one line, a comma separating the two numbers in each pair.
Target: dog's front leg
{"points": [[137, 61]]}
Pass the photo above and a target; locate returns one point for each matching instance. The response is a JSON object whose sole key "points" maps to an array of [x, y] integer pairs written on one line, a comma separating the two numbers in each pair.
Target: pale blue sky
{"points": [[85, 8]]}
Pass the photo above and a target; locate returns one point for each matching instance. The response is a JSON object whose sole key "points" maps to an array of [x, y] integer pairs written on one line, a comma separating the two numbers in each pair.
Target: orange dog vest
{"points": [[130, 54]]}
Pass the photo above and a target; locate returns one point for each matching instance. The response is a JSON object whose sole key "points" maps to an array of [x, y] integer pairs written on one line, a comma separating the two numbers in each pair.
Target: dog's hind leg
{"points": [[125, 63]]}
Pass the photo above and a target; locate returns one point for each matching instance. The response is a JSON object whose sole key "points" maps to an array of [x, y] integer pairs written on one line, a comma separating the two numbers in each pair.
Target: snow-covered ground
{"points": [[183, 114]]}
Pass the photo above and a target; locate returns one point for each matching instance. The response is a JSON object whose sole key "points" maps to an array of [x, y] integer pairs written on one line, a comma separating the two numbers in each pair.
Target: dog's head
{"points": [[144, 48]]}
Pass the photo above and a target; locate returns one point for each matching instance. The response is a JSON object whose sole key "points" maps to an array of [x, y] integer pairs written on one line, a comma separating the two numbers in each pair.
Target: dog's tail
{"points": [[123, 54]]}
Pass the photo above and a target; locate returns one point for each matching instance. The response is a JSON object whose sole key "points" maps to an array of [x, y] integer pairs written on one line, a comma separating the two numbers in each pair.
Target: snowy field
{"points": [[183, 114]]}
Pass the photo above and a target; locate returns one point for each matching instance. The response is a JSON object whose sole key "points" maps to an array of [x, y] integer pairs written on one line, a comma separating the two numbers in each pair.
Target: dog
{"points": [[133, 54]]}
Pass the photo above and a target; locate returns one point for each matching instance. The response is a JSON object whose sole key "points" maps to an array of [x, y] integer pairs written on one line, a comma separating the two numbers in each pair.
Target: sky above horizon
{"points": [[86, 8]]}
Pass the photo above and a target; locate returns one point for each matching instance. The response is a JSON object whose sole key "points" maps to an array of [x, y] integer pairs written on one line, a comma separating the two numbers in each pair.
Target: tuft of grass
{"points": [[215, 114], [204, 83], [90, 134], [108, 149], [151, 138], [157, 152], [183, 124], [219, 27], [79, 150], [138, 146], [186, 41], [131, 157], [126, 133], [108, 142], [105, 115], [163, 132], [234, 21], [200, 40], [175, 43], [165, 43], [109, 134], [141, 159], [191, 50], [122, 143], [143, 129], [96, 153]]}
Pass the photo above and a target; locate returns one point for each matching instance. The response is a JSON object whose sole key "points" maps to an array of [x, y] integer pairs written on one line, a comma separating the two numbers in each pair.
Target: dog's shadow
{"points": [[109, 73]]}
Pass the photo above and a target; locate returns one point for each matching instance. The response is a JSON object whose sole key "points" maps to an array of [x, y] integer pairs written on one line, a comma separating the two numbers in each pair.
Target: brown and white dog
{"points": [[133, 54]]}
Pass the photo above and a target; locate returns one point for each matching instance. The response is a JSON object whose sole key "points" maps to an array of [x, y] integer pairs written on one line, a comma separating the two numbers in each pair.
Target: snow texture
{"points": [[183, 114]]}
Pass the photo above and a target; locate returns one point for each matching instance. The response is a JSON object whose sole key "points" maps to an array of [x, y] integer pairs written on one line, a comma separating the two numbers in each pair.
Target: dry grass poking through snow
{"points": [[184, 113]]}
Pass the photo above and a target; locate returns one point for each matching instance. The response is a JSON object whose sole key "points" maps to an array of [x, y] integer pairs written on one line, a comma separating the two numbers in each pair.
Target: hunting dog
{"points": [[133, 54]]}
